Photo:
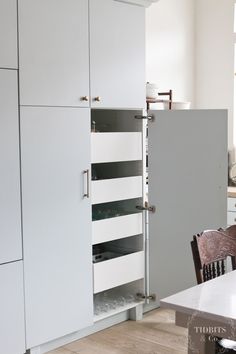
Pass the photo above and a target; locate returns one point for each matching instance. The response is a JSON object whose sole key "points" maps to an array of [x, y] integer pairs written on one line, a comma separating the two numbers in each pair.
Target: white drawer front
{"points": [[118, 271], [113, 147], [115, 228], [231, 218], [109, 190], [231, 204]]}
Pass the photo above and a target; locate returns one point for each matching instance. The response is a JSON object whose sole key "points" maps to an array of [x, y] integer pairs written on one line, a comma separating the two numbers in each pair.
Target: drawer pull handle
{"points": [[235, 205], [97, 99], [235, 219], [84, 98]]}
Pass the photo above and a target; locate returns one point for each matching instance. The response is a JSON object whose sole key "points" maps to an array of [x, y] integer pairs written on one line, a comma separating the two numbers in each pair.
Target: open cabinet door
{"points": [[187, 173]]}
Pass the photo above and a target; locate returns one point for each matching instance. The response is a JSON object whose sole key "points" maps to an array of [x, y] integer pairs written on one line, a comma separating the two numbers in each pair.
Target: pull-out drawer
{"points": [[231, 204], [109, 190], [114, 147], [117, 271], [115, 228], [231, 218]]}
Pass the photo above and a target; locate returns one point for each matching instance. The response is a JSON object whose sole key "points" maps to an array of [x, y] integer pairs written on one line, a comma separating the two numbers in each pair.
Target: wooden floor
{"points": [[155, 334]]}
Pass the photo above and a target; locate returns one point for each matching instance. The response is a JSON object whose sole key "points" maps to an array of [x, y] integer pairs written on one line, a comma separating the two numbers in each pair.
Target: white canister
{"points": [[151, 90]]}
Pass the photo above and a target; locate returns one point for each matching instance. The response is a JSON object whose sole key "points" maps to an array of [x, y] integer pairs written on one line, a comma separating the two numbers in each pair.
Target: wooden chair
{"points": [[210, 250]]}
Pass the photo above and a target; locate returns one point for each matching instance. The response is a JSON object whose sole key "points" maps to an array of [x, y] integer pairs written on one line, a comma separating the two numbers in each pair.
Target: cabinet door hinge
{"points": [[150, 208], [142, 296], [150, 118]]}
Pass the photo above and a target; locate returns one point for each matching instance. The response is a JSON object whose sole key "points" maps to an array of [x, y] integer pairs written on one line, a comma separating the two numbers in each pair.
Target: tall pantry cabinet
{"points": [[12, 331], [69, 63]]}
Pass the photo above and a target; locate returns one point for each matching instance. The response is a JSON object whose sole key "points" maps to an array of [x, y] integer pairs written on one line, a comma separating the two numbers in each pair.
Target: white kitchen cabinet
{"points": [[187, 175], [117, 55], [10, 213], [8, 34], [12, 327], [55, 149], [75, 260], [54, 52]]}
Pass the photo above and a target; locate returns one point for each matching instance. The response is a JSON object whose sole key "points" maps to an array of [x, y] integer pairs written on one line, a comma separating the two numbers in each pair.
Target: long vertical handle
{"points": [[87, 193]]}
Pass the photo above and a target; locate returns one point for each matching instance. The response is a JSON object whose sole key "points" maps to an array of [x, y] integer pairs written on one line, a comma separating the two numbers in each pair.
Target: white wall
{"points": [[170, 47], [215, 57], [190, 48]]}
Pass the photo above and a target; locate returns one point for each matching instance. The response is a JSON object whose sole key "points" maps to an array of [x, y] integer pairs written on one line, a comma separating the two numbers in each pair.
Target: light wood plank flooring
{"points": [[155, 334]]}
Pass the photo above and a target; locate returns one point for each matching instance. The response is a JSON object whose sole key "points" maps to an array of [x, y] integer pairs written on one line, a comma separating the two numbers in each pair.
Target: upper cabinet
{"points": [[8, 34], [54, 52], [117, 58]]}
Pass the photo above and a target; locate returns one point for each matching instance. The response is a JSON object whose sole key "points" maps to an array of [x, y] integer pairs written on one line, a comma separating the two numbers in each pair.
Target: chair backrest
{"points": [[210, 250]]}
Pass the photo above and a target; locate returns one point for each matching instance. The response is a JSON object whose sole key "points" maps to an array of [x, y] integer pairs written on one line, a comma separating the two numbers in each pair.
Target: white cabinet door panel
{"points": [[10, 213], [56, 222], [8, 34], [53, 52], [188, 185], [12, 325], [117, 41]]}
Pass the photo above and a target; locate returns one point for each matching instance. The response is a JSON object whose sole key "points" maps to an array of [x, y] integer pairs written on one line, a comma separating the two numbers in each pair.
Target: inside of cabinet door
{"points": [[187, 183]]}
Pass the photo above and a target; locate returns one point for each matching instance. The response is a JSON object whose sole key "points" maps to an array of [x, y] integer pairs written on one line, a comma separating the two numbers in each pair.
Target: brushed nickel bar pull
{"points": [[87, 194]]}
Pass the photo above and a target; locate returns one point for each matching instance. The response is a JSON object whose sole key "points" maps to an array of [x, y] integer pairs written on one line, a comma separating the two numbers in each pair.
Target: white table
{"points": [[208, 310]]}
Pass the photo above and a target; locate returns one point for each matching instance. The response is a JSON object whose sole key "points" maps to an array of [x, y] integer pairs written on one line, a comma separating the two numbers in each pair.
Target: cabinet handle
{"points": [[84, 98], [235, 205], [235, 219], [87, 194], [98, 98]]}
